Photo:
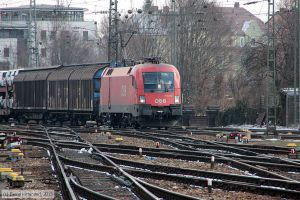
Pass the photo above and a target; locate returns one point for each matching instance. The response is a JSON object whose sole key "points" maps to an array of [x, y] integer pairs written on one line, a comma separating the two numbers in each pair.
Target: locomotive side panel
{"points": [[122, 95], [118, 94]]}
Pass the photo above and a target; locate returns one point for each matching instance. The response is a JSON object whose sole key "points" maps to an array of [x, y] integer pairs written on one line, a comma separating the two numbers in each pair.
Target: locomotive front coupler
{"points": [[160, 114]]}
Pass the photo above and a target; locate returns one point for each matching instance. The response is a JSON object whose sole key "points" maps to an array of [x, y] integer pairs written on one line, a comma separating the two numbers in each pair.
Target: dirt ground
{"points": [[37, 171]]}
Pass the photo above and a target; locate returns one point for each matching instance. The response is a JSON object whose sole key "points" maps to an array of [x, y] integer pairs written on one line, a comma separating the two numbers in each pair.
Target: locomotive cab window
{"points": [[158, 81]]}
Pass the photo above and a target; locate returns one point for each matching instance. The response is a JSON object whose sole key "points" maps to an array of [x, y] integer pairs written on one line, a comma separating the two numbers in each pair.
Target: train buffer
{"points": [[291, 145], [15, 180], [4, 172], [15, 155], [119, 139]]}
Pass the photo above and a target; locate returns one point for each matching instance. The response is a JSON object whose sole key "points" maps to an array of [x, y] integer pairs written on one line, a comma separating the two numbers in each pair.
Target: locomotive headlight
{"points": [[177, 99], [142, 99]]}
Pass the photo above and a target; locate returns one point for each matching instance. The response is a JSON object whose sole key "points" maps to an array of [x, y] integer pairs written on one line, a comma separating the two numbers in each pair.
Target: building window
{"points": [[43, 35], [43, 52], [242, 41], [52, 35], [85, 35], [6, 52], [65, 34]]}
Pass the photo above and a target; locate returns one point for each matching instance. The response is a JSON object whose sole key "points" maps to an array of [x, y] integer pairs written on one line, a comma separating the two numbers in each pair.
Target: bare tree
{"points": [[145, 35], [203, 46], [69, 47], [203, 52], [249, 84]]}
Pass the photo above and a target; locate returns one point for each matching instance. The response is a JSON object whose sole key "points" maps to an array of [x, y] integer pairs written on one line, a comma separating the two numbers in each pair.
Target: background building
{"points": [[246, 29], [54, 23]]}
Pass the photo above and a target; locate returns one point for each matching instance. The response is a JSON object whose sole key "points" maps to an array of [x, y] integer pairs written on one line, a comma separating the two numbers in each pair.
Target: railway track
{"points": [[244, 149], [172, 174], [251, 129], [63, 140], [103, 183], [80, 185], [271, 164], [194, 156], [233, 162], [75, 186]]}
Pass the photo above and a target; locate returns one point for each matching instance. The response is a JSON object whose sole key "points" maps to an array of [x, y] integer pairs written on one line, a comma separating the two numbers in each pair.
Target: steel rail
{"points": [[137, 187], [66, 190], [207, 159], [185, 152], [226, 161], [232, 162], [166, 194], [293, 185], [221, 184]]}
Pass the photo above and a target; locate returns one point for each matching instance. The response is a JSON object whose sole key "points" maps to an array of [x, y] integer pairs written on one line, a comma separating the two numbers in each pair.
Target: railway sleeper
{"points": [[220, 184], [196, 153], [216, 175]]}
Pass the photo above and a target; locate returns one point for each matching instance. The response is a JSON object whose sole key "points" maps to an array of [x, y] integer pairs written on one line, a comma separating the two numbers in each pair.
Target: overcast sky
{"points": [[259, 9]]}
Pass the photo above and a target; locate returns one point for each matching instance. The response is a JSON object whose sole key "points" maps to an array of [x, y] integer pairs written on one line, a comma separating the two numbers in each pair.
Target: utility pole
{"points": [[113, 29], [271, 90], [173, 35], [298, 42], [296, 57], [32, 39]]}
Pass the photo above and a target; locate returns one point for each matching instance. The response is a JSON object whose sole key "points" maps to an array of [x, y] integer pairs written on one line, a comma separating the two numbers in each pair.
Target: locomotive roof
{"points": [[117, 71], [125, 71], [158, 65]]}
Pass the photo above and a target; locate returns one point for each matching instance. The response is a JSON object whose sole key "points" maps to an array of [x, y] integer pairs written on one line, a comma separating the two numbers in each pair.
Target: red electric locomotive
{"points": [[147, 94]]}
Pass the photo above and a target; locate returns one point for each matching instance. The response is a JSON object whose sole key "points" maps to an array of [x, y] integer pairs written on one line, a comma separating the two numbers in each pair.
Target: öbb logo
{"points": [[160, 101]]}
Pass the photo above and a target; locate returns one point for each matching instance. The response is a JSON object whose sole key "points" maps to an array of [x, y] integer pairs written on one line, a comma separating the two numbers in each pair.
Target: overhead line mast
{"points": [[113, 37], [32, 39], [272, 99]]}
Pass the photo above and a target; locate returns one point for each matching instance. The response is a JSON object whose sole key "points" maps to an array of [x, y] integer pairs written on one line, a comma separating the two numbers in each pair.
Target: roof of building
{"points": [[44, 7], [240, 19]]}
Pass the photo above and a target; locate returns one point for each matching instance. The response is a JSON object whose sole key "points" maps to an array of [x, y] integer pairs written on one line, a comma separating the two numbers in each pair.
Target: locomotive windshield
{"points": [[158, 81]]}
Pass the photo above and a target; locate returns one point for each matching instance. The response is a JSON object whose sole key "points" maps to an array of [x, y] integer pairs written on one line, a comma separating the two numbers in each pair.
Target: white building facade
{"points": [[52, 23]]}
